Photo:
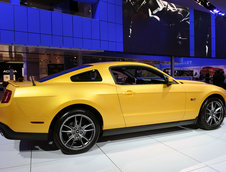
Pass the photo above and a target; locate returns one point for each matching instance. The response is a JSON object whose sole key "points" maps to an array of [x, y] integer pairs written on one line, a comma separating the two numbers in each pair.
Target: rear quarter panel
{"points": [[43, 102]]}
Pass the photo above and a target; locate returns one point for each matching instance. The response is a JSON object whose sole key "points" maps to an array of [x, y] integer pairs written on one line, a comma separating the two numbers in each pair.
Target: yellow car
{"points": [[73, 108]]}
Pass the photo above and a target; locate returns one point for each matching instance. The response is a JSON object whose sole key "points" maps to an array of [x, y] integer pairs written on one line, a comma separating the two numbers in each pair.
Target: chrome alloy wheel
{"points": [[77, 132], [214, 113]]}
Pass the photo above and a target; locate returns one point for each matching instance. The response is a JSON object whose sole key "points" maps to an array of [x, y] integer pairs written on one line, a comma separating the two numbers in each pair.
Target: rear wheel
{"points": [[76, 131], [211, 114]]}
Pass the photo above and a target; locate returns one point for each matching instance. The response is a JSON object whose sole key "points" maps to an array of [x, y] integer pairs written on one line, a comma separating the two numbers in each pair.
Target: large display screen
{"points": [[156, 27], [202, 34], [220, 36]]}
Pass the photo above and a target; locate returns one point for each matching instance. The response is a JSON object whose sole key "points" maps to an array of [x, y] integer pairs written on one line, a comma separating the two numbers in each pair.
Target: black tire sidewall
{"points": [[60, 121], [202, 117]]}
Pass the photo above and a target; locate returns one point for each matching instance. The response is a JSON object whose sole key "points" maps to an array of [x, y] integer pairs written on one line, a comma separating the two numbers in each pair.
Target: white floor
{"points": [[168, 150]]}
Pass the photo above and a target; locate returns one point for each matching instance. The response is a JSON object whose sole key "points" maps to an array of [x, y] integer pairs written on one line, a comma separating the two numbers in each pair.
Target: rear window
{"points": [[89, 76], [62, 73]]}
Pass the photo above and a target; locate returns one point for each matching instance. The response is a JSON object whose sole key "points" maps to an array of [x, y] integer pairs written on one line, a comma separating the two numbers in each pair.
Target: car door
{"points": [[145, 97]]}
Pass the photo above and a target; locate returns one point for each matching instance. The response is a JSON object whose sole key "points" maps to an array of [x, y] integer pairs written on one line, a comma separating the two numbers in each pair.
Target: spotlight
{"points": [[216, 11], [210, 7], [212, 12]]}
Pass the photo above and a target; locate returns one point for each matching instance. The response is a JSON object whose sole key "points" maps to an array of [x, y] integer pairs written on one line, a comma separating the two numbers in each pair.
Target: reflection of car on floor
{"points": [[73, 108], [210, 70]]}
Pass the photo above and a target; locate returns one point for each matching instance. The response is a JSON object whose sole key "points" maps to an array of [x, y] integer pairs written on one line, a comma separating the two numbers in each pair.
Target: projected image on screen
{"points": [[156, 27], [202, 34]]}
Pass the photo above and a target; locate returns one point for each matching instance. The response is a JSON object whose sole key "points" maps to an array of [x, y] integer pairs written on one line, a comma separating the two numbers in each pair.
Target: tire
{"points": [[211, 114], [76, 131]]}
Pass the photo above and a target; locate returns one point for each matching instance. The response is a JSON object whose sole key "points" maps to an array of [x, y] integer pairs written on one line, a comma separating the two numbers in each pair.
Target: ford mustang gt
{"points": [[75, 107]]}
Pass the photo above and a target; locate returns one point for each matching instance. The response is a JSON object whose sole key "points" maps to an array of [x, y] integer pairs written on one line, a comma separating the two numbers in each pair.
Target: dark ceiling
{"points": [[220, 4]]}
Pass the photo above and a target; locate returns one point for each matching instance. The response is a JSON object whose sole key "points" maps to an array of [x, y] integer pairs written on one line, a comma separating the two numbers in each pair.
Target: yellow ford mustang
{"points": [[76, 106]]}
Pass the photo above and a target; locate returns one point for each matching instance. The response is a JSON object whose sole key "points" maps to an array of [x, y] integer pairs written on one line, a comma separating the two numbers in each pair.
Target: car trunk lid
{"points": [[21, 84]]}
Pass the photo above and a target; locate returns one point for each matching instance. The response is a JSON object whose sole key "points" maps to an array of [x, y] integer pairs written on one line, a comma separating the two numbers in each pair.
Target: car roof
{"points": [[115, 63], [92, 65]]}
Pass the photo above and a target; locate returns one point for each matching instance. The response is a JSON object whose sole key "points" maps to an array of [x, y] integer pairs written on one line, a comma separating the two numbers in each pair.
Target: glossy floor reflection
{"points": [[175, 149]]}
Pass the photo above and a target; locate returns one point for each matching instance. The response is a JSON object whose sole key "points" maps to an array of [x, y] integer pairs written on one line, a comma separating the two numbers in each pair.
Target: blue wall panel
{"points": [[104, 45], [95, 29], [104, 30], [67, 25], [6, 16], [7, 36], [213, 35], [16, 2], [119, 33], [32, 26], [34, 39], [103, 11], [21, 38], [45, 22], [111, 13], [33, 20], [68, 42], [20, 18], [87, 43], [112, 31], [119, 46], [96, 11], [46, 40], [118, 2], [112, 46], [118, 14], [57, 41], [77, 27], [78, 43], [96, 44], [192, 33], [57, 23], [112, 1], [87, 26]]}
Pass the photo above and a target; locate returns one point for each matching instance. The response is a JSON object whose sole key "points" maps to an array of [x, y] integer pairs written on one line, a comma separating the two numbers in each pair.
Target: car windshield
{"points": [[62, 73]]}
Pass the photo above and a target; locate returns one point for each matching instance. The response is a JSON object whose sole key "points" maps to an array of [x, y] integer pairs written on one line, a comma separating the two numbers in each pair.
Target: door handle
{"points": [[128, 92]]}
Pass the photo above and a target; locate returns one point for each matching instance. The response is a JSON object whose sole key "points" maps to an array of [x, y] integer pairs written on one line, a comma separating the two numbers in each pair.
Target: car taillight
{"points": [[6, 97]]}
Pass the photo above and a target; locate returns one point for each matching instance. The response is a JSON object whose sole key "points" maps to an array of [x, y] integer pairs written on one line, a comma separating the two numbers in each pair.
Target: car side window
{"points": [[136, 75], [89, 76], [147, 76]]}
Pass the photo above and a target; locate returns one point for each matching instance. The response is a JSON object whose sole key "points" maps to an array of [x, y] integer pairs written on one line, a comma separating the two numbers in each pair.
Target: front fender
{"points": [[196, 95]]}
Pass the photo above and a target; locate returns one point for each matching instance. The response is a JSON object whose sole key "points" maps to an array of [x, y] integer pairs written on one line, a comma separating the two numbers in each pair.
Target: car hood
{"points": [[191, 82]]}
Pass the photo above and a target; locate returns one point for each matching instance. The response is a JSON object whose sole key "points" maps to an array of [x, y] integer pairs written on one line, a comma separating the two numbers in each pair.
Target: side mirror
{"points": [[169, 81]]}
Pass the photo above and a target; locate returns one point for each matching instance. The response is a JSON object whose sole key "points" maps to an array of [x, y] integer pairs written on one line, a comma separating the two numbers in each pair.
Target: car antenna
{"points": [[32, 79]]}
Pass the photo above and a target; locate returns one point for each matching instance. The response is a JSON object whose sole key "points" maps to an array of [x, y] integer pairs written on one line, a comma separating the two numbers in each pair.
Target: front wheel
{"points": [[76, 131], [211, 114]]}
